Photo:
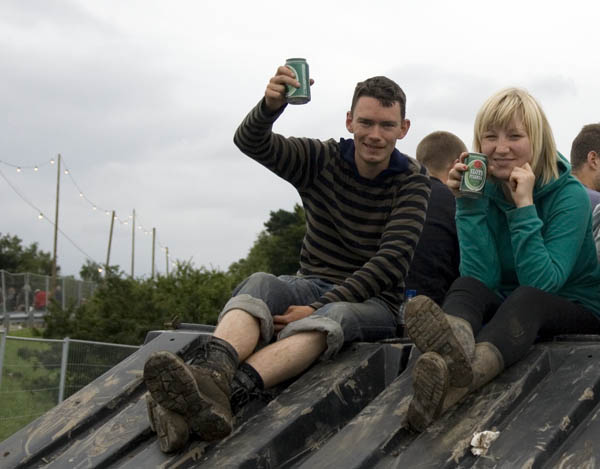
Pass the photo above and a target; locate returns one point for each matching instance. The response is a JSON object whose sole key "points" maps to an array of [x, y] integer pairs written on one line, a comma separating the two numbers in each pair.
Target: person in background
{"points": [[585, 160], [528, 265], [596, 229], [365, 205], [435, 264], [24, 298], [39, 300], [11, 299]]}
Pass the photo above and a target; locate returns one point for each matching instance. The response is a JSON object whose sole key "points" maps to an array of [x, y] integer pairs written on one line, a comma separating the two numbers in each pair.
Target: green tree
{"points": [[91, 271], [277, 248], [14, 257]]}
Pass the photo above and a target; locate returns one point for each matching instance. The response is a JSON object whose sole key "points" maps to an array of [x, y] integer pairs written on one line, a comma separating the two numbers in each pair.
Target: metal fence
{"points": [[24, 296], [36, 374]]}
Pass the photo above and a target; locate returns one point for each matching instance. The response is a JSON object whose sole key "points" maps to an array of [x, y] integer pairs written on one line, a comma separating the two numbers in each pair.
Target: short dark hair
{"points": [[386, 91], [588, 139], [439, 149]]}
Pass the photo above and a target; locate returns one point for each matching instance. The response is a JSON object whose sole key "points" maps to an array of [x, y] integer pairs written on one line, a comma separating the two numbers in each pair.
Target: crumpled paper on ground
{"points": [[481, 441]]}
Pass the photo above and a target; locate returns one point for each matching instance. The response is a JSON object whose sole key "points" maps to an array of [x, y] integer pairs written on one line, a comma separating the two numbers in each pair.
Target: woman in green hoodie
{"points": [[528, 261]]}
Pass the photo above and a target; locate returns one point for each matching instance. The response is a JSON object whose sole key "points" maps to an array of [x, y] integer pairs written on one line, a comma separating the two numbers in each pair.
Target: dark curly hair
{"points": [[386, 91]]}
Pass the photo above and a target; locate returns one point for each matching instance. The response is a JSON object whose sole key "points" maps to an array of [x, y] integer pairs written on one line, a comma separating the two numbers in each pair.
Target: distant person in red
{"points": [[39, 300]]}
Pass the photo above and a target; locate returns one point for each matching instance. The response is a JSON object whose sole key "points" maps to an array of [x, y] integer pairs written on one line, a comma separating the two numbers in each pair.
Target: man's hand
{"points": [[293, 313], [276, 90], [520, 184]]}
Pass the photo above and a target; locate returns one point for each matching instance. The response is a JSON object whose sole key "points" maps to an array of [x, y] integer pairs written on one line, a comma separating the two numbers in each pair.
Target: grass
{"points": [[29, 380]]}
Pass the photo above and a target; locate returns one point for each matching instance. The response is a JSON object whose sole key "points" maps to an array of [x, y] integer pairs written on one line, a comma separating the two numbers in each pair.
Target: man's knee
{"points": [[254, 307], [340, 313], [256, 282], [318, 323]]}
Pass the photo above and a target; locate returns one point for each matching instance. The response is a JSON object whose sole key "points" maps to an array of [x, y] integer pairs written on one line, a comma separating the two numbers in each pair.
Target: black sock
{"points": [[247, 384]]}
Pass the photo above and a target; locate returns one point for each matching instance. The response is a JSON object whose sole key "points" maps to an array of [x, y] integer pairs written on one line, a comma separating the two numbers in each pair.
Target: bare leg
{"points": [[241, 330], [288, 357]]}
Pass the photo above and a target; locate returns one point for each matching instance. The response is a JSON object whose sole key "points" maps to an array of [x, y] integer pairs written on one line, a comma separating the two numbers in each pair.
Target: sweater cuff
{"points": [[471, 205], [267, 114], [523, 214]]}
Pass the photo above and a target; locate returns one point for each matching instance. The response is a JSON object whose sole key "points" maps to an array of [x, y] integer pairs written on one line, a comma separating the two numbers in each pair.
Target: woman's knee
{"points": [[523, 297], [466, 284]]}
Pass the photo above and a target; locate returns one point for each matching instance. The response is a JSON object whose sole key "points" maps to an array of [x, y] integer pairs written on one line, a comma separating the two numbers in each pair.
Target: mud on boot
{"points": [[430, 380], [199, 391], [451, 337], [433, 397], [171, 428]]}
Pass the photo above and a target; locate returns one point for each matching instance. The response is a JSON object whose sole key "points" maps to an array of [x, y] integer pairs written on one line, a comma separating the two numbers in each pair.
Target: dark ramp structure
{"points": [[346, 413]]}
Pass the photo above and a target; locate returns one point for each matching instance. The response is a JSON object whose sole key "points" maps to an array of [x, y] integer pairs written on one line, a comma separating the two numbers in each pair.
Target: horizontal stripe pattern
{"points": [[361, 234]]}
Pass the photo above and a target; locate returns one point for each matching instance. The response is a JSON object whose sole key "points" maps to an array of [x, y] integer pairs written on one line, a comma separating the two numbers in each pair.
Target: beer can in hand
{"points": [[473, 179], [298, 95]]}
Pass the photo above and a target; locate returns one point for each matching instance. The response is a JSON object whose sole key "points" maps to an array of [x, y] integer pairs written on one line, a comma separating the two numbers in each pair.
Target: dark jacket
{"points": [[436, 261]]}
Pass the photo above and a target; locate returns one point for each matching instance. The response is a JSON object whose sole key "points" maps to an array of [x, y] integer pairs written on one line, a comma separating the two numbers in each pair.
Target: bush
{"points": [[123, 310]]}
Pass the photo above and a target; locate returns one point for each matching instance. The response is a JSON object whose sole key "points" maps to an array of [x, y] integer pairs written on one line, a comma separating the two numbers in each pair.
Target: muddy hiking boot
{"points": [[171, 428], [430, 380], [199, 391], [432, 330], [432, 393]]}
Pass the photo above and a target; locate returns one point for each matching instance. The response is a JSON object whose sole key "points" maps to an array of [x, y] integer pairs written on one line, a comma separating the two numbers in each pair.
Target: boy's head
{"points": [[383, 89], [587, 140], [438, 151]]}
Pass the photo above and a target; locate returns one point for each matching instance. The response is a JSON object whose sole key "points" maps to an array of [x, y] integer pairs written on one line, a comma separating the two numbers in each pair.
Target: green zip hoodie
{"points": [[548, 245]]}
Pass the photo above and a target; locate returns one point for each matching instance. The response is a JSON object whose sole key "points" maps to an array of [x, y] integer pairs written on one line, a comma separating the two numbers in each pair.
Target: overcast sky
{"points": [[141, 99]]}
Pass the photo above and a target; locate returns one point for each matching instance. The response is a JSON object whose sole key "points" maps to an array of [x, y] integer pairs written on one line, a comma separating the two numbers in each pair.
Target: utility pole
{"points": [[53, 281], [110, 235], [167, 250], [153, 249], [132, 242]]}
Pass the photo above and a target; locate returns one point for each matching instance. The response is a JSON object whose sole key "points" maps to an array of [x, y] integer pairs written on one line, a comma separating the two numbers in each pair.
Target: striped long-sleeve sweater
{"points": [[360, 233]]}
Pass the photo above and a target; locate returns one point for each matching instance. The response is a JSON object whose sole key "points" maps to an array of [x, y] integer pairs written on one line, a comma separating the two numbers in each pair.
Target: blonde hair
{"points": [[498, 112]]}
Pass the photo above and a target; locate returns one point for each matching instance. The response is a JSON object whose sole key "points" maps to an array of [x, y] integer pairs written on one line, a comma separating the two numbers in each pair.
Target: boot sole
{"points": [[173, 387], [427, 326], [430, 384]]}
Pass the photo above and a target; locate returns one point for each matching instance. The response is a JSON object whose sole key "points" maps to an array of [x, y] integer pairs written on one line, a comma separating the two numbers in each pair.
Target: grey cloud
{"points": [[552, 87], [41, 13], [437, 93]]}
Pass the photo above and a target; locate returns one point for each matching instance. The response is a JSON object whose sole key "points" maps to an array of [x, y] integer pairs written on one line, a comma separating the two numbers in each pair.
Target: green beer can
{"points": [[298, 95], [473, 179]]}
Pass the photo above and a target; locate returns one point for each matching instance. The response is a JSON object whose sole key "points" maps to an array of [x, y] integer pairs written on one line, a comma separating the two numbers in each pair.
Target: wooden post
{"points": [[132, 242], [53, 282], [153, 249], [167, 250]]}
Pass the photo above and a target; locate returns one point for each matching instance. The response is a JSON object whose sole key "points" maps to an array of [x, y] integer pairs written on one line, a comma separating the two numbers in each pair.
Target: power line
{"points": [[41, 215], [82, 195]]}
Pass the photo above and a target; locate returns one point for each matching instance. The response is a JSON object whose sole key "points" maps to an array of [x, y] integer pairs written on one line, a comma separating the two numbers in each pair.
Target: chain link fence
{"points": [[24, 297], [36, 374]]}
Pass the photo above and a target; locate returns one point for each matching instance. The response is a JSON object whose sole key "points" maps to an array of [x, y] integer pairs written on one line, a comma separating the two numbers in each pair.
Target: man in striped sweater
{"points": [[365, 205]]}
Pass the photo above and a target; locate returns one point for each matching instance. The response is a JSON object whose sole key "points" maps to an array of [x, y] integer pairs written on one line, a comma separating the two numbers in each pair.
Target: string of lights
{"points": [[42, 216], [95, 207], [36, 167]]}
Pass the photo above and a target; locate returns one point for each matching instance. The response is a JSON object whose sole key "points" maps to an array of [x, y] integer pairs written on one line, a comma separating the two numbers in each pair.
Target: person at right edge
{"points": [[528, 263]]}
